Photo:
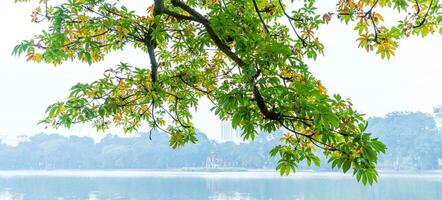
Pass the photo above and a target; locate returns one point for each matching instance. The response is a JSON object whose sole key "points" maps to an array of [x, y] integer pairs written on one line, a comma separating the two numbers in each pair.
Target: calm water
{"points": [[94, 185]]}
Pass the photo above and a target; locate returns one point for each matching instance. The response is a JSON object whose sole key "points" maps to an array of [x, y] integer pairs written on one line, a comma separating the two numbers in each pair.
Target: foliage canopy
{"points": [[246, 56]]}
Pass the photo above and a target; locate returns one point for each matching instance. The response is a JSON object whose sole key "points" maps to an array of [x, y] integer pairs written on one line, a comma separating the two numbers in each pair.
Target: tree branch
{"points": [[260, 17], [425, 16], [218, 42], [304, 43]]}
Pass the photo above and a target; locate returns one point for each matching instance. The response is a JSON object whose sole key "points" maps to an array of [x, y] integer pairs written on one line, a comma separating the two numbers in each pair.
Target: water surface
{"points": [[113, 185]]}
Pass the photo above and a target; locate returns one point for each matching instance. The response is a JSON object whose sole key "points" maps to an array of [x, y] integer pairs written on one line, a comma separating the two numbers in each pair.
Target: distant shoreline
{"points": [[250, 174]]}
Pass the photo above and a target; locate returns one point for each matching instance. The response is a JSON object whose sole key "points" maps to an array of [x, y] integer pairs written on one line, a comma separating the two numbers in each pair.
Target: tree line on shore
{"points": [[413, 141]]}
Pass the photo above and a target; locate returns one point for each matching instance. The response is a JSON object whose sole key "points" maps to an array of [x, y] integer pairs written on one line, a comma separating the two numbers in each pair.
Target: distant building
{"points": [[229, 134], [12, 139], [437, 114]]}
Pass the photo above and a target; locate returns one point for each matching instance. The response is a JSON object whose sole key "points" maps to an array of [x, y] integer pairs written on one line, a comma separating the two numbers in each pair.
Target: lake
{"points": [[175, 185]]}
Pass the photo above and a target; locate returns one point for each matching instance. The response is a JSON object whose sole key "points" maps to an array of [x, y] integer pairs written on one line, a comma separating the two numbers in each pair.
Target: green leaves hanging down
{"points": [[418, 18], [246, 56], [81, 30], [126, 97]]}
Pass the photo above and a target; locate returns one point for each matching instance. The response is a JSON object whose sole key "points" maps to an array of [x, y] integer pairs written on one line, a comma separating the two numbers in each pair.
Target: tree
{"points": [[408, 136], [236, 53]]}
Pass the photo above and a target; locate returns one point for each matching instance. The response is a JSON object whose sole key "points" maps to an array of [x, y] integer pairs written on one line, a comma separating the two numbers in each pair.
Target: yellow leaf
{"points": [[38, 57], [322, 89], [117, 118], [377, 17]]}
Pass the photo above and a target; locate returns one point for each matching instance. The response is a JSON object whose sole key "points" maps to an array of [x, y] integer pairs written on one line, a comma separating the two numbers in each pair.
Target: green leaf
{"points": [[346, 166], [88, 58], [364, 179], [316, 161]]}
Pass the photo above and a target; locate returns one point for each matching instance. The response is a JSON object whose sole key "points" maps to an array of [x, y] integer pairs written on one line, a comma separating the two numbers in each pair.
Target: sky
{"points": [[410, 81]]}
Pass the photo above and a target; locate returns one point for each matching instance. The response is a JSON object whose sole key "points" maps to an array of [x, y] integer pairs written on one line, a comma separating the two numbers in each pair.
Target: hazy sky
{"points": [[409, 81]]}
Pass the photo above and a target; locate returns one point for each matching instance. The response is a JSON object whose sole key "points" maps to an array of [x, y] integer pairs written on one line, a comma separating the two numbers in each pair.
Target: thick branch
{"points": [[158, 7], [153, 61], [226, 49], [218, 42], [179, 16], [262, 106], [271, 115]]}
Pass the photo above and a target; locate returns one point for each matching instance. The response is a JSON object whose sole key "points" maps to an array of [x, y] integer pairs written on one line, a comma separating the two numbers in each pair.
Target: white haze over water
{"points": [[251, 174], [411, 80]]}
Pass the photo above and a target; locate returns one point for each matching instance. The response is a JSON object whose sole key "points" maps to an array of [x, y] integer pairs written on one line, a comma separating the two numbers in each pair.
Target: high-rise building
{"points": [[228, 133], [437, 113]]}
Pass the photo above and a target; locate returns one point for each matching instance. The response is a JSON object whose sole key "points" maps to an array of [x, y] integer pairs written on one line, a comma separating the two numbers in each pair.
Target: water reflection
{"points": [[7, 195], [185, 187], [234, 196]]}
